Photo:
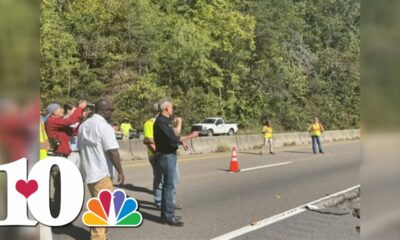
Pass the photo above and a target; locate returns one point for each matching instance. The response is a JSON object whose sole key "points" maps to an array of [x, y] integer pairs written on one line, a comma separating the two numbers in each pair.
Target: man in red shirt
{"points": [[58, 128]]}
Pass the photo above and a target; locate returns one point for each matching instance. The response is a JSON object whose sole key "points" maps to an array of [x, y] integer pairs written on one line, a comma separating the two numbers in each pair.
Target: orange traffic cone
{"points": [[234, 167]]}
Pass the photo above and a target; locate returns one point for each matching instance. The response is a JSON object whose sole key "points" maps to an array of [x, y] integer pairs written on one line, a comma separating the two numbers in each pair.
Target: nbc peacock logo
{"points": [[112, 210]]}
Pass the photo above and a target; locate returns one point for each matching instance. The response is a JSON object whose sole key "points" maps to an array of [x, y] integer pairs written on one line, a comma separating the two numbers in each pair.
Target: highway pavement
{"points": [[216, 202]]}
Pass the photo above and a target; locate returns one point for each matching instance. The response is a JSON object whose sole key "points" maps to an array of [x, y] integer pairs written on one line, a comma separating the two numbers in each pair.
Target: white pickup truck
{"points": [[214, 126]]}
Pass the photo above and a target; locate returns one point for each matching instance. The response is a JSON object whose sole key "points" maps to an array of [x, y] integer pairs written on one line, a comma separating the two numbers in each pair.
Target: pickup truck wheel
{"points": [[231, 131], [210, 133]]}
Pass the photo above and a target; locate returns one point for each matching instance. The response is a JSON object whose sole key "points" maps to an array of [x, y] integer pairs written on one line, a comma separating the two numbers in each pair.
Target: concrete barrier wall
{"points": [[135, 149], [125, 152], [250, 142], [139, 150], [183, 152], [203, 145]]}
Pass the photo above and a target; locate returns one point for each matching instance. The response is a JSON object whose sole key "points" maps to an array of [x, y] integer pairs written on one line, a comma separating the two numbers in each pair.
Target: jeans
{"points": [[158, 180], [167, 163], [316, 140]]}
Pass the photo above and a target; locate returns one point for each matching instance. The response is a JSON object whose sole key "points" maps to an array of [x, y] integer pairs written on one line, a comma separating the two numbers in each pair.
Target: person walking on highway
{"points": [[267, 131], [126, 128], [315, 131], [98, 148], [166, 142]]}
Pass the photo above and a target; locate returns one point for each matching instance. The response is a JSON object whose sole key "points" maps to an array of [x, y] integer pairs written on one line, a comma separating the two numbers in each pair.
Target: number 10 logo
{"points": [[32, 192]]}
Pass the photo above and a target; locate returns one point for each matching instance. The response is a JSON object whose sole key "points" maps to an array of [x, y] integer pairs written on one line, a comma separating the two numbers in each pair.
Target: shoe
{"points": [[176, 221], [164, 219], [321, 152], [271, 153], [178, 206]]}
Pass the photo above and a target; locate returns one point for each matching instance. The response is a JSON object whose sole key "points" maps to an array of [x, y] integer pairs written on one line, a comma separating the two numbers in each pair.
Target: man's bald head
{"points": [[102, 104], [104, 108]]}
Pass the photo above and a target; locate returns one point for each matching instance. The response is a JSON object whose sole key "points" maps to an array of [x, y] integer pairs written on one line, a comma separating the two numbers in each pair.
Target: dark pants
{"points": [[316, 141], [167, 164]]}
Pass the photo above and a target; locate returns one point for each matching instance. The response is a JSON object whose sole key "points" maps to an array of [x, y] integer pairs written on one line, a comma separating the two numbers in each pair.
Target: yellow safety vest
{"points": [[316, 129], [125, 127], [267, 132], [148, 133], [42, 139]]}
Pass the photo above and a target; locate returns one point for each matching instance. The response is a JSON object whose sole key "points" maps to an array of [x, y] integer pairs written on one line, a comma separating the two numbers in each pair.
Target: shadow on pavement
{"points": [[252, 153], [75, 232], [146, 205], [223, 170], [307, 152], [133, 188], [149, 217]]}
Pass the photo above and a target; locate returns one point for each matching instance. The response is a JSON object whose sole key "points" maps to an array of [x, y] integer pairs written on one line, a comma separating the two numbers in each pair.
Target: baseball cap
{"points": [[52, 108]]}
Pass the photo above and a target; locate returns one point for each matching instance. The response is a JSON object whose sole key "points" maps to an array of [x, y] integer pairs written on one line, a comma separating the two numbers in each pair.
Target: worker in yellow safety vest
{"points": [[151, 152], [126, 127], [43, 140], [267, 132], [315, 131]]}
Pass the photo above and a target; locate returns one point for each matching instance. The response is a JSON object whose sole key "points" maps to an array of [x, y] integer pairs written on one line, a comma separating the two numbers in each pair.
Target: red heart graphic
{"points": [[26, 188]]}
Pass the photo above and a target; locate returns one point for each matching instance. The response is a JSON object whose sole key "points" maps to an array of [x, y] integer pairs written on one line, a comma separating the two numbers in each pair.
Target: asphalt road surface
{"points": [[216, 202]]}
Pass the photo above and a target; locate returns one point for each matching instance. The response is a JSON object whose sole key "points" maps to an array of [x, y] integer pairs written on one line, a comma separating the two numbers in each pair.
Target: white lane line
{"points": [[268, 221], [264, 166]]}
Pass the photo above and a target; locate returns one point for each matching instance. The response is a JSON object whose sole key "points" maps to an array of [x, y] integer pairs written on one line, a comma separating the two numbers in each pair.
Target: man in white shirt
{"points": [[98, 149]]}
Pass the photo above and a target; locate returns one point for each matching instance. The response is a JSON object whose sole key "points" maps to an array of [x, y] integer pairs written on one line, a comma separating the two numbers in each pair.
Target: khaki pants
{"points": [[94, 189]]}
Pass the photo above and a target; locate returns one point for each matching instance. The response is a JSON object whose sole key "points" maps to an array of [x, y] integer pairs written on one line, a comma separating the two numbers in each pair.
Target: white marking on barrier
{"points": [[268, 221], [265, 166]]}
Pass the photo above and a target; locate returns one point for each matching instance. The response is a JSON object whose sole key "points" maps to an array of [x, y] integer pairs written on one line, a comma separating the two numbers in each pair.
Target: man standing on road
{"points": [[166, 143], [267, 131], [126, 128], [151, 152], [315, 130], [98, 148], [59, 132], [58, 128]]}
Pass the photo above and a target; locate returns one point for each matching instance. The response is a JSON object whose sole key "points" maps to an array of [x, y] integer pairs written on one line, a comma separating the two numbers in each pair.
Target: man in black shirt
{"points": [[167, 144]]}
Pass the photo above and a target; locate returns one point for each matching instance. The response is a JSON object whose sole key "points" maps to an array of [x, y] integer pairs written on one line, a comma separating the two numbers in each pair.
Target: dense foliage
{"points": [[286, 60]]}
